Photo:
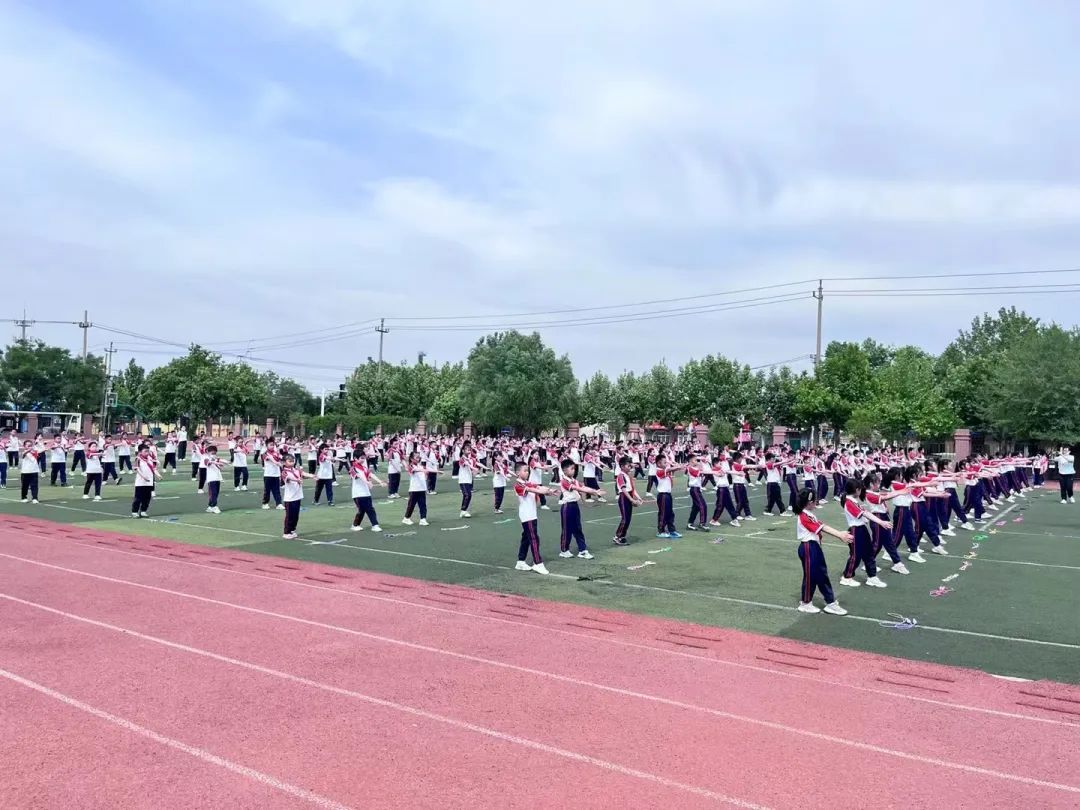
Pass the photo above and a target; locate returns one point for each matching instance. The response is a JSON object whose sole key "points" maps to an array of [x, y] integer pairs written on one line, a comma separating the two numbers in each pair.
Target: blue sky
{"points": [[225, 171]]}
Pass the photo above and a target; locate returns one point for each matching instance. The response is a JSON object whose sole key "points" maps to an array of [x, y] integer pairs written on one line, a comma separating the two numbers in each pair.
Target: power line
{"points": [[955, 275]]}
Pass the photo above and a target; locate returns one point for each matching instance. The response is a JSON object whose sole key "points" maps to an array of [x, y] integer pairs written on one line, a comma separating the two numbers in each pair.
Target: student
{"points": [[394, 466], [213, 478], [108, 462], [313, 452], [29, 472], [146, 473], [467, 467], [739, 468], [951, 503], [570, 492], [772, 485], [362, 479], [500, 471], [271, 464], [181, 443], [3, 464], [12, 446], [881, 533], [123, 453], [862, 547], [815, 575], [78, 454], [1066, 464], [897, 480], [418, 488], [170, 453], [240, 465], [665, 512], [924, 517], [292, 486], [651, 467], [324, 473], [92, 456], [431, 470], [204, 453], [536, 476], [593, 468], [699, 510], [721, 470], [628, 499], [58, 463], [528, 493], [196, 460]]}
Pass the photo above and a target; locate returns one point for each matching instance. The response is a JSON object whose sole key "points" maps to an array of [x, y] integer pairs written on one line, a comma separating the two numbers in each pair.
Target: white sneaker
{"points": [[899, 568], [133, 514], [585, 555], [836, 498], [86, 497], [281, 508], [714, 522], [407, 521], [266, 506], [210, 509], [808, 607], [376, 528], [356, 528], [522, 566], [33, 500], [1011, 499], [735, 523], [749, 517], [939, 550], [423, 522], [289, 536], [835, 609], [875, 582], [498, 511], [97, 497], [1062, 500], [141, 514], [464, 515], [546, 508], [948, 532], [968, 526], [916, 556], [540, 568], [201, 492], [244, 488], [1072, 500], [566, 554], [850, 582]]}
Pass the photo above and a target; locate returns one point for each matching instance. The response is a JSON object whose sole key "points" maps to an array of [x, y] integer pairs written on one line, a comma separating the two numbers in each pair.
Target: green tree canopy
{"points": [[515, 380], [48, 378], [201, 386]]}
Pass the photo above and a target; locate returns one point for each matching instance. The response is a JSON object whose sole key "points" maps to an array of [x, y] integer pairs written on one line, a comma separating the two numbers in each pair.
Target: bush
{"points": [[721, 433]]}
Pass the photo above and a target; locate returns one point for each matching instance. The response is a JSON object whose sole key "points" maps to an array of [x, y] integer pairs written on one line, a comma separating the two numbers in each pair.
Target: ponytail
{"points": [[802, 500]]}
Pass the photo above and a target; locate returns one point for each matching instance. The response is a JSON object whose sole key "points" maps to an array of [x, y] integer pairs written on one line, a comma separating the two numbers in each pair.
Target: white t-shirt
{"points": [[213, 470], [417, 479], [527, 500], [93, 462], [292, 485], [29, 463], [361, 481], [239, 457], [144, 472]]}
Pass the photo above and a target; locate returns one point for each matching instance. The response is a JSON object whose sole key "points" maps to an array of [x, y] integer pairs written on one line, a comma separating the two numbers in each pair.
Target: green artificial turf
{"points": [[1019, 591]]}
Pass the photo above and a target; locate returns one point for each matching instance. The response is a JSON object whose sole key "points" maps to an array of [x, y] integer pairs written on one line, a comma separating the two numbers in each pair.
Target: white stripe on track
{"points": [[198, 753], [603, 639], [412, 710]]}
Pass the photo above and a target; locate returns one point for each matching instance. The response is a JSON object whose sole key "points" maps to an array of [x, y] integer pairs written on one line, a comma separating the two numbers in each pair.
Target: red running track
{"points": [[136, 672]]}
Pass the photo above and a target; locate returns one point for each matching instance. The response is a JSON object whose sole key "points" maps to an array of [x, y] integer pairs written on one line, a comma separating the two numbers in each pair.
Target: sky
{"points": [[268, 177]]}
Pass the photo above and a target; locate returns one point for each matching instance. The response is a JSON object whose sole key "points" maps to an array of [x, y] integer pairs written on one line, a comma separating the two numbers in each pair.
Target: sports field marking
{"points": [[1023, 562], [769, 724], [698, 594], [450, 721], [617, 642], [191, 750]]}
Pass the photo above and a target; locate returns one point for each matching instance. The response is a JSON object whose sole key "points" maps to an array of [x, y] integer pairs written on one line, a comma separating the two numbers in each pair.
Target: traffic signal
{"points": [[341, 391]]}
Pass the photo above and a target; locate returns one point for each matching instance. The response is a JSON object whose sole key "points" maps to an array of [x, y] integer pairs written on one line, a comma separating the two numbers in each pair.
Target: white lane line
{"points": [[755, 721], [191, 750], [590, 638], [423, 713]]}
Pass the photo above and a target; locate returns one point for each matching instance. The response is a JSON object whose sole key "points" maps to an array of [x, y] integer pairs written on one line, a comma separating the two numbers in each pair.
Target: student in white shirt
{"points": [[240, 466], [1066, 464], [528, 492], [78, 454], [123, 453], [292, 481], [362, 479], [11, 445], [29, 470], [93, 471], [196, 460], [181, 443], [170, 452], [271, 463], [108, 462], [394, 466], [418, 489], [58, 462], [146, 473], [324, 475], [213, 478]]}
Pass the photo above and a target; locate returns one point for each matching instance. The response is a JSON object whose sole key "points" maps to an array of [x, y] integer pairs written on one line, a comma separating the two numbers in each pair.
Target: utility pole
{"points": [[322, 403], [819, 295], [23, 324], [106, 399], [382, 330], [85, 325]]}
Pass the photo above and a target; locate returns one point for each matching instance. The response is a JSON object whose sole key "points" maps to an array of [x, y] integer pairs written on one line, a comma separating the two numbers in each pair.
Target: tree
{"points": [[287, 399], [514, 380], [814, 404], [877, 354], [47, 378], [715, 389], [597, 401], [907, 401], [129, 382], [630, 398], [967, 364], [778, 395], [200, 386], [845, 373], [1035, 388]]}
